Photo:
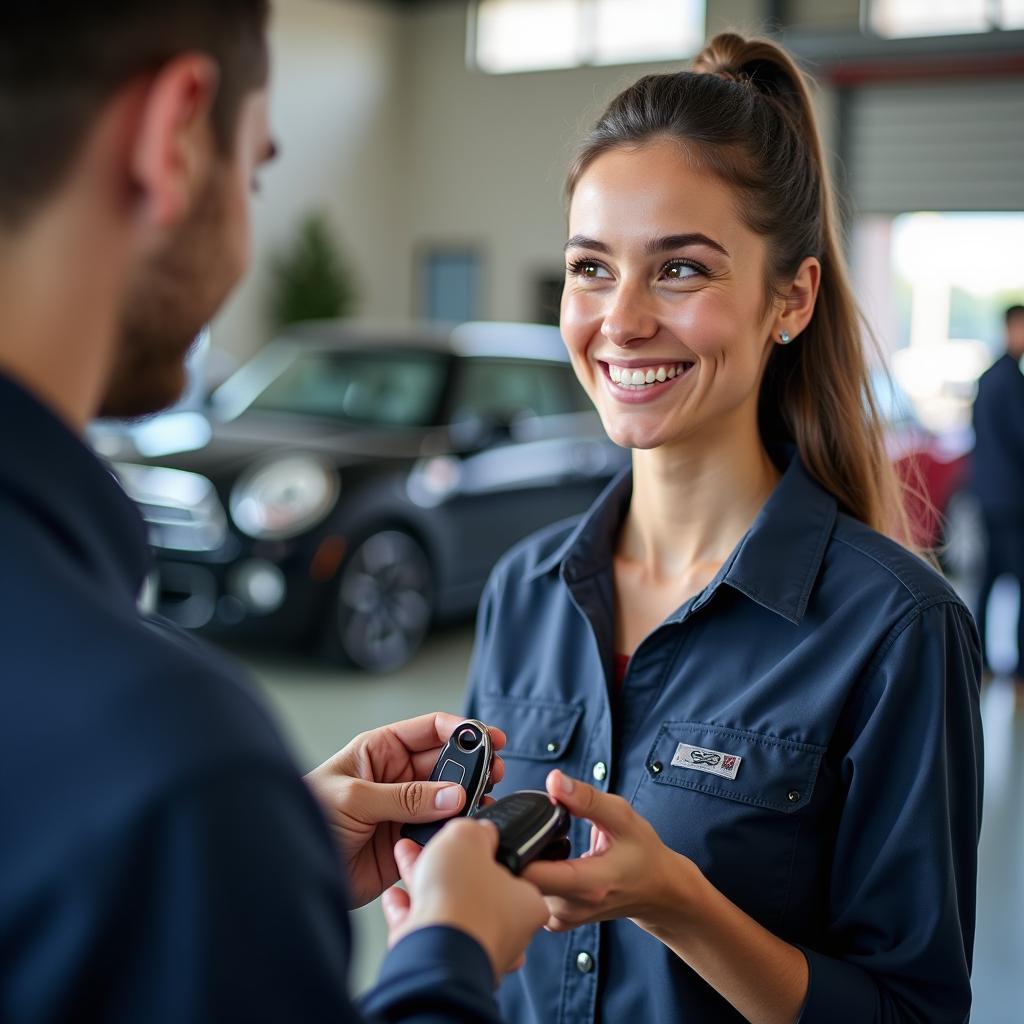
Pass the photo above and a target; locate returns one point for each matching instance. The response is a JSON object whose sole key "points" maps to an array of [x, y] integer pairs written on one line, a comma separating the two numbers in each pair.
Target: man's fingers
{"points": [[406, 854], [396, 905], [609, 813]]}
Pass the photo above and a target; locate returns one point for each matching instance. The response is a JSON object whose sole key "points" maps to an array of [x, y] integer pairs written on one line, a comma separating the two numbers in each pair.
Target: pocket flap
{"points": [[751, 767], [537, 729]]}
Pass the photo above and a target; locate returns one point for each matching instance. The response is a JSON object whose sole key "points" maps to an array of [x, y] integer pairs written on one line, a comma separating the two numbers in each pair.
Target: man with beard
{"points": [[160, 858]]}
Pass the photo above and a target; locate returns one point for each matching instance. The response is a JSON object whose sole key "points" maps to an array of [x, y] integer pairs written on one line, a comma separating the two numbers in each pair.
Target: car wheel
{"points": [[963, 539], [384, 603]]}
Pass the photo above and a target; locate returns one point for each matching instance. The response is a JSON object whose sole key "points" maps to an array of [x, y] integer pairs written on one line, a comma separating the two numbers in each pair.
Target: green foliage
{"points": [[311, 279]]}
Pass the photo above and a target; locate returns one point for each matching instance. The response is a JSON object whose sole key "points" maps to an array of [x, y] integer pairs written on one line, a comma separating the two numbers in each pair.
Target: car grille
{"points": [[182, 510]]}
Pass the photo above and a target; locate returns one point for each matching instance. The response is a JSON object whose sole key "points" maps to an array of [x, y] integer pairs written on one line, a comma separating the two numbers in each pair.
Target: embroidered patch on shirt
{"points": [[714, 762]]}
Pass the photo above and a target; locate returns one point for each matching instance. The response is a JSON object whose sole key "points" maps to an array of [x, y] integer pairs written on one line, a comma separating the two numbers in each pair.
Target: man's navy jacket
{"points": [[997, 464], [160, 858]]}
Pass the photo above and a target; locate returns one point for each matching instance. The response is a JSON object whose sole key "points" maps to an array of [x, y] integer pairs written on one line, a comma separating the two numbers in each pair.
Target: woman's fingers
{"points": [[609, 813]]}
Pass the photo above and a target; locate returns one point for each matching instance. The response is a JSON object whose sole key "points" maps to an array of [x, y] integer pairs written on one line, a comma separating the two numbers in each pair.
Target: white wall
{"points": [[382, 124], [338, 110], [490, 151]]}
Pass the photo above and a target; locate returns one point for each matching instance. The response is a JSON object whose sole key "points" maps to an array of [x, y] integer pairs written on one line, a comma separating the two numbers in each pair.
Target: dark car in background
{"points": [[351, 486]]}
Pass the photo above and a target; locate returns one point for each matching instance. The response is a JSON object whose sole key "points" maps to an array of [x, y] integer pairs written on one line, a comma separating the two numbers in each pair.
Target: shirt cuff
{"points": [[837, 992], [435, 971]]}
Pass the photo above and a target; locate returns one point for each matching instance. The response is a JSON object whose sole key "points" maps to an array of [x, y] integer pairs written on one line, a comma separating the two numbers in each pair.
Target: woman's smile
{"points": [[643, 382]]}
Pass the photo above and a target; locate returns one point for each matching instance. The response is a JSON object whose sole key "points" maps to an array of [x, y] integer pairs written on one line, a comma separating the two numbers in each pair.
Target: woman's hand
{"points": [[627, 872], [373, 786]]}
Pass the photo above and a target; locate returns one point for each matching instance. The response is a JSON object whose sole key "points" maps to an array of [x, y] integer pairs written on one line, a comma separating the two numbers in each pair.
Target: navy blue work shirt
{"points": [[997, 463], [835, 676], [161, 859]]}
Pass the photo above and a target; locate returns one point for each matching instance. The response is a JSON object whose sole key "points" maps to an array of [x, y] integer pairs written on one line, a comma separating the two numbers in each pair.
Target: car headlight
{"points": [[280, 499]]}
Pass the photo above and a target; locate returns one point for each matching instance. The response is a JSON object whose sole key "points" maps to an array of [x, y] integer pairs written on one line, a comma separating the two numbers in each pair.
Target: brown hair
{"points": [[61, 61], [744, 112]]}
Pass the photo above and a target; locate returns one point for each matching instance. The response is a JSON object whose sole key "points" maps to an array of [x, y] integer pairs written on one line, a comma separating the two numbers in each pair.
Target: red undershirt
{"points": [[621, 664]]}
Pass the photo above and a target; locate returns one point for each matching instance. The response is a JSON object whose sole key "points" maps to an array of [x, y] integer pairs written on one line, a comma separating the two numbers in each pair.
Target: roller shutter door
{"points": [[951, 145]]}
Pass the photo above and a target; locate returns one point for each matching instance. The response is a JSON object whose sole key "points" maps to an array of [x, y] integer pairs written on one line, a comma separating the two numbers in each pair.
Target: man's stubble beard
{"points": [[170, 299]]}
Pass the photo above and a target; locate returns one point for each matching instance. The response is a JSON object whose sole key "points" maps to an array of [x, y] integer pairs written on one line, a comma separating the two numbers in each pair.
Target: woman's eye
{"points": [[588, 269], [679, 271]]}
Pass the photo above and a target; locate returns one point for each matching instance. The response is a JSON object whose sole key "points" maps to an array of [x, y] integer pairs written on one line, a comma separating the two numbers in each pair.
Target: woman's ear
{"points": [[173, 146], [798, 298]]}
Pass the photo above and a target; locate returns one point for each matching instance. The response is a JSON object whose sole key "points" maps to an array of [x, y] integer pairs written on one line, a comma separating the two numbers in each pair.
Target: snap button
{"points": [[584, 963], [655, 767], [793, 796], [552, 747], [600, 771]]}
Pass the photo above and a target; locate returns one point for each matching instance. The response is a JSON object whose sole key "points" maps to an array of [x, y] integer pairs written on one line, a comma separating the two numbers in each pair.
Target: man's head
{"points": [[158, 112], [1015, 331]]}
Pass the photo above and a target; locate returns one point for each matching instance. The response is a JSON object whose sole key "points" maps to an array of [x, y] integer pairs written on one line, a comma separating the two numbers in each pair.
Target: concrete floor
{"points": [[322, 707]]}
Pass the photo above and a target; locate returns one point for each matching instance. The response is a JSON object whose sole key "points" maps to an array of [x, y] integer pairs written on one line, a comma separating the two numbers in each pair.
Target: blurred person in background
{"points": [[997, 473], [775, 700], [160, 857]]}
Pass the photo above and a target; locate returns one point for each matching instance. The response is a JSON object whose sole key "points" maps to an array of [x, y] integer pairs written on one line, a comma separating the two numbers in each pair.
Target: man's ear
{"points": [[798, 297], [173, 144]]}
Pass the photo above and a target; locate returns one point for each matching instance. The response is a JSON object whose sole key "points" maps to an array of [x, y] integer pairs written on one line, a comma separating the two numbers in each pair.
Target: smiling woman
{"points": [[732, 643]]}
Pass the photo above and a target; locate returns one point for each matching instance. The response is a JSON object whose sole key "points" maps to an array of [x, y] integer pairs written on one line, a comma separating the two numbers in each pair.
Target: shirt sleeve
{"points": [[227, 904], [434, 976], [901, 914]]}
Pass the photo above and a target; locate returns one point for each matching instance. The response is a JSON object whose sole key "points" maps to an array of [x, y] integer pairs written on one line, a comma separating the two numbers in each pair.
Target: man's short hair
{"points": [[1014, 311], [61, 61]]}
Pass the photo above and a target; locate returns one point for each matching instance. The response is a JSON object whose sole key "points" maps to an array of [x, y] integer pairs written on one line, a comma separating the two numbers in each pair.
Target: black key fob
{"points": [[530, 827], [465, 759]]}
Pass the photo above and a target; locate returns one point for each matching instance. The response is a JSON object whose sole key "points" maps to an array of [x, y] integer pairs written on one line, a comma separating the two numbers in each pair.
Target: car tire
{"points": [[383, 603]]}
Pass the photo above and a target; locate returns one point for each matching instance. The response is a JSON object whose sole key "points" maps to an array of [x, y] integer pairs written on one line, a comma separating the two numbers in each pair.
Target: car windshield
{"points": [[387, 388]]}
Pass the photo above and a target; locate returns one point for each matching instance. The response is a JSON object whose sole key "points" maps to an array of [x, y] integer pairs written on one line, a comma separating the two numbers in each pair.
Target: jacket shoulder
{"points": [[888, 564]]}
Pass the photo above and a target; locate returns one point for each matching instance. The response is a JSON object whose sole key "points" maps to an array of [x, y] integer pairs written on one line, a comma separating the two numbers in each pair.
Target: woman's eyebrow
{"points": [[654, 246], [668, 242], [582, 242]]}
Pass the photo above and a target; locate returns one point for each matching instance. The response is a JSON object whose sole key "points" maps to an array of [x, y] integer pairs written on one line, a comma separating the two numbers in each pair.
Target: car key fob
{"points": [[530, 827], [465, 759]]}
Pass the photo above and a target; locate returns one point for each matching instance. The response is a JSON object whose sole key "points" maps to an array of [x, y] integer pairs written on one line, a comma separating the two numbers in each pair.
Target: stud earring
{"points": [[784, 338]]}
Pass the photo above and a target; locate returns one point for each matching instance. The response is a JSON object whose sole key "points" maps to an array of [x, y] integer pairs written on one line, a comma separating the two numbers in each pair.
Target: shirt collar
{"points": [[63, 486], [775, 564]]}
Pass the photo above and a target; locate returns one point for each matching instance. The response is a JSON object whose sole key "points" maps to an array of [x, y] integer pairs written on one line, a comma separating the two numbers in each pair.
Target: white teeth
{"points": [[633, 379]]}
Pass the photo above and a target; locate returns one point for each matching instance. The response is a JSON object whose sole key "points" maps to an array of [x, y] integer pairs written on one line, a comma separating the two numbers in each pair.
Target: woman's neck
{"points": [[693, 502]]}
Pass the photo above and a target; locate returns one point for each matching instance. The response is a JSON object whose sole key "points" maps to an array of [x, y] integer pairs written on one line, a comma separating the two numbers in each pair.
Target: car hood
{"points": [[219, 450]]}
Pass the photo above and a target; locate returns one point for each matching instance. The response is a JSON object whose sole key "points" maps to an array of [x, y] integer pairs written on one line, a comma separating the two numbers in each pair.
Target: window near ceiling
{"points": [[904, 18], [533, 35]]}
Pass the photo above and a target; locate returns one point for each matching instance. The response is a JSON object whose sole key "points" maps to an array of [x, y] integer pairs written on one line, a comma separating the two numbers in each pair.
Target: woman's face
{"points": [[664, 310]]}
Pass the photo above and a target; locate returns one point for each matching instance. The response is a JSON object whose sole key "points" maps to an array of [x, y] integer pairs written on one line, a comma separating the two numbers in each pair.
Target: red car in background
{"points": [[934, 468]]}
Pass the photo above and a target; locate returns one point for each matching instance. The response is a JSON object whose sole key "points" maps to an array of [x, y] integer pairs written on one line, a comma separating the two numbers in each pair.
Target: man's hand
{"points": [[454, 880], [375, 785]]}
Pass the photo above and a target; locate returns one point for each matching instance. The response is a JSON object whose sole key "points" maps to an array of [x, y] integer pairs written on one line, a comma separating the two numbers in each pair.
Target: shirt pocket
{"points": [[735, 802], [540, 735]]}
